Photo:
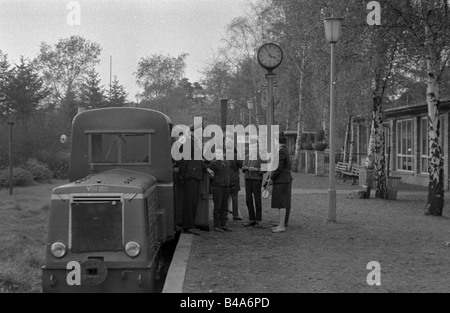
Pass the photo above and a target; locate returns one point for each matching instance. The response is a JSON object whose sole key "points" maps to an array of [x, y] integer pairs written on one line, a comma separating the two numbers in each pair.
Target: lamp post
{"points": [[332, 33], [10, 123], [250, 108]]}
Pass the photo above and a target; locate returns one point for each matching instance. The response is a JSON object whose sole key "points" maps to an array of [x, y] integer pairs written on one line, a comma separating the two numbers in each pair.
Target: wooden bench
{"points": [[341, 167], [353, 173]]}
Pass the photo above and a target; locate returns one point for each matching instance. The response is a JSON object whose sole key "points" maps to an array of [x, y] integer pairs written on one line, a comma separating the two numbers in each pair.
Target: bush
{"points": [[21, 177], [39, 170], [318, 146], [321, 135], [303, 138]]}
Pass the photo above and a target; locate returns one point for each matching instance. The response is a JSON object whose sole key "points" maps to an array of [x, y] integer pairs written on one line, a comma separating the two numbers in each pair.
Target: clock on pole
{"points": [[270, 57]]}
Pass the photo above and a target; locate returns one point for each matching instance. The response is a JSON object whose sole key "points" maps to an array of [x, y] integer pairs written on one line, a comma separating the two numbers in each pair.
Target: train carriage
{"points": [[119, 206]]}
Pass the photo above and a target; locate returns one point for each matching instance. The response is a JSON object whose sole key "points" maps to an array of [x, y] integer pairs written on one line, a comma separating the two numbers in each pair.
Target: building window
{"points": [[363, 140], [387, 138], [405, 148], [424, 144], [116, 148]]}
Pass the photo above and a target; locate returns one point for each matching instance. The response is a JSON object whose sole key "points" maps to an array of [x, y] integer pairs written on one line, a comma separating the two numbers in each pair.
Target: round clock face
{"points": [[270, 56]]}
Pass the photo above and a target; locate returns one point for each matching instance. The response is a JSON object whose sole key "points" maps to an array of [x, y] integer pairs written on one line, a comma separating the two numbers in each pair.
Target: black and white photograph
{"points": [[224, 153]]}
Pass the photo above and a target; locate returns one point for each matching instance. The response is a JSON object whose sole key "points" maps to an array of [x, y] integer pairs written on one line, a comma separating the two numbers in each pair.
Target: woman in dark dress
{"points": [[281, 179]]}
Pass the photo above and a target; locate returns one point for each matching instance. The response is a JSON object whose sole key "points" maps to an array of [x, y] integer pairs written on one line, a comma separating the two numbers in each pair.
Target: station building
{"points": [[406, 131]]}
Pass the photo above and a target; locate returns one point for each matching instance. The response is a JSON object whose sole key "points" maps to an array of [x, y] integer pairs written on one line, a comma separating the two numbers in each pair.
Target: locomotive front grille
{"points": [[96, 224]]}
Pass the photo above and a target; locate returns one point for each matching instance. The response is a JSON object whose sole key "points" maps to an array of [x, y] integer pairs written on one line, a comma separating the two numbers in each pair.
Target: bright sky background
{"points": [[125, 29]]}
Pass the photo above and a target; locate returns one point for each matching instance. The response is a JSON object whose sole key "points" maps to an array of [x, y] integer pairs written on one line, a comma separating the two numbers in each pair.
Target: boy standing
{"points": [[221, 191]]}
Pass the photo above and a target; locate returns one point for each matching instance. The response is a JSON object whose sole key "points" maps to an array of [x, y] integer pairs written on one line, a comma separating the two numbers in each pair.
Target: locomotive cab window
{"points": [[120, 148]]}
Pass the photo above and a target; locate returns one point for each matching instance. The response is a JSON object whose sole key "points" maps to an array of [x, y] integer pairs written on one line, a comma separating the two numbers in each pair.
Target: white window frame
{"points": [[427, 149], [399, 155]]}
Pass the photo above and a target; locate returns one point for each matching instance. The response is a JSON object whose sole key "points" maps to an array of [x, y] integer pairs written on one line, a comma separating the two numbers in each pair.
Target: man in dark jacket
{"points": [[281, 179], [221, 191], [235, 166], [253, 183], [190, 174]]}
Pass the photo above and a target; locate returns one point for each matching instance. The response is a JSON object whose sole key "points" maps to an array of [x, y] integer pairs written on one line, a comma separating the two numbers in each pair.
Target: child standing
{"points": [[221, 190]]}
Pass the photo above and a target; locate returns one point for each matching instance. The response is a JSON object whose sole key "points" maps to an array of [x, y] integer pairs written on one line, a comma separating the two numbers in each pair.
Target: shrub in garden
{"points": [[303, 138], [321, 135], [319, 146], [21, 177], [309, 142], [39, 170]]}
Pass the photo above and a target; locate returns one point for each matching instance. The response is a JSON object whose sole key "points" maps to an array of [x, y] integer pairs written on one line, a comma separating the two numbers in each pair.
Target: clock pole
{"points": [[270, 76], [270, 57]]}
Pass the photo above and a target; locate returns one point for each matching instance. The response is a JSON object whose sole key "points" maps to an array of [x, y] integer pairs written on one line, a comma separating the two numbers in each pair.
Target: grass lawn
{"points": [[23, 230], [314, 256]]}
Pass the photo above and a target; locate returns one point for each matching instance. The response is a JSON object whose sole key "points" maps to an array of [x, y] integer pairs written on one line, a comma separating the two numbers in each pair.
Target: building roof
{"points": [[415, 109]]}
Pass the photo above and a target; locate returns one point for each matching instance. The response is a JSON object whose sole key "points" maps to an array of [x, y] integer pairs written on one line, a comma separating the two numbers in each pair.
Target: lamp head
{"points": [[333, 29]]}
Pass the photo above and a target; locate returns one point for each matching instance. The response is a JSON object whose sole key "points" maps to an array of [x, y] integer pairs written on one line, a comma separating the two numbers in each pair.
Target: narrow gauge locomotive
{"points": [[120, 206]]}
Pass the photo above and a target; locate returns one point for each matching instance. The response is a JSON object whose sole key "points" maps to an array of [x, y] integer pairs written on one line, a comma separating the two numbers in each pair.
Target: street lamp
{"points": [[250, 108], [332, 33]]}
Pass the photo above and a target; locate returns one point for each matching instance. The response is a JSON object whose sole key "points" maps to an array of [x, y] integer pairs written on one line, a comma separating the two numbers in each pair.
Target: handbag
{"points": [[266, 191]]}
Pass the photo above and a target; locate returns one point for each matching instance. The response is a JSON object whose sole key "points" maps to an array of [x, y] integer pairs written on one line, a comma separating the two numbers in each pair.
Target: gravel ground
{"points": [[310, 181], [315, 256]]}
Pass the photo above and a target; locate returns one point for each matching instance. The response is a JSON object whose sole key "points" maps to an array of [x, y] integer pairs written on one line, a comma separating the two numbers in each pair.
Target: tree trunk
{"points": [[347, 139], [376, 157], [325, 117], [299, 119], [352, 144], [435, 201], [379, 149]]}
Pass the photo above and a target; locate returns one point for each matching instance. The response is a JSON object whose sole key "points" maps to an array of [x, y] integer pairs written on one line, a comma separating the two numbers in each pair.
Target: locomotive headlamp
{"points": [[132, 249], [58, 250]]}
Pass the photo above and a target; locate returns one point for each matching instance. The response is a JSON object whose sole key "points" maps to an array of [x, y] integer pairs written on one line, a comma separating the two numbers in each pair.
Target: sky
{"points": [[127, 30]]}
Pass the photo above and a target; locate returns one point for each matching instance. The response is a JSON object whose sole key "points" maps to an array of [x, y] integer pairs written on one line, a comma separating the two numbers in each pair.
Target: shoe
{"points": [[218, 229], [250, 223], [192, 231], [278, 230], [258, 225], [226, 228], [237, 218], [276, 225]]}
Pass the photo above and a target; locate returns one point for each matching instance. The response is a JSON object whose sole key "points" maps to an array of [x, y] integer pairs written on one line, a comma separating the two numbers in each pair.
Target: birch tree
{"points": [[302, 26], [428, 26], [384, 43]]}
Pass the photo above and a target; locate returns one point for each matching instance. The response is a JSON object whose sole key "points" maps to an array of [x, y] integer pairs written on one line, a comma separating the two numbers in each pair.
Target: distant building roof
{"points": [[417, 108], [404, 110]]}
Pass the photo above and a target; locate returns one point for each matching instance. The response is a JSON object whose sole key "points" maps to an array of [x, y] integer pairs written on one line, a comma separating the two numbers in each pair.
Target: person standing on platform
{"points": [[221, 190], [253, 183], [235, 166], [281, 179], [190, 174]]}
